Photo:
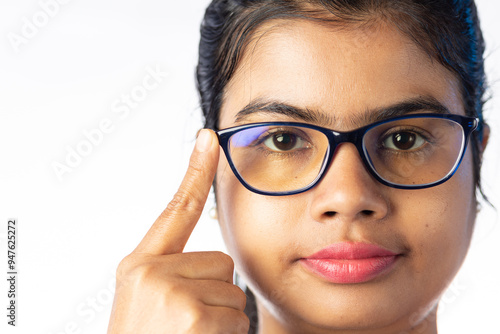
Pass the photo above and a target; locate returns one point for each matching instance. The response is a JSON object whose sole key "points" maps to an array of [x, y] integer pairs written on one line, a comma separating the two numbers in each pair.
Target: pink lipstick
{"points": [[349, 262]]}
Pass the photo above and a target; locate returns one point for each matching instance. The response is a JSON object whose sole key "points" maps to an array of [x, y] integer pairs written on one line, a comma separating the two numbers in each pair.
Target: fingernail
{"points": [[204, 141]]}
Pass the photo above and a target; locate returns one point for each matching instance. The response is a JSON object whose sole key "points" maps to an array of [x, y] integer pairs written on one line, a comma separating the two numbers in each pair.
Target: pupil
{"points": [[284, 142], [404, 141]]}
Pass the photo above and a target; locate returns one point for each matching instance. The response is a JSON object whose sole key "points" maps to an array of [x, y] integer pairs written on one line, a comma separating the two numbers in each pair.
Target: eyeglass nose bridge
{"points": [[355, 137]]}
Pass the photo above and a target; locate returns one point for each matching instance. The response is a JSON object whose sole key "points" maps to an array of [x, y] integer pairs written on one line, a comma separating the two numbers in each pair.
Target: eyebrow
{"points": [[274, 108]]}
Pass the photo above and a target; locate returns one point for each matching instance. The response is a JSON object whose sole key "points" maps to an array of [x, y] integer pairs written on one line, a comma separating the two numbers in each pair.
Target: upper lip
{"points": [[351, 251]]}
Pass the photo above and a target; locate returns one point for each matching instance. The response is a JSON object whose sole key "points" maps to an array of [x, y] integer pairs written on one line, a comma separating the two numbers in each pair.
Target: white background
{"points": [[63, 81]]}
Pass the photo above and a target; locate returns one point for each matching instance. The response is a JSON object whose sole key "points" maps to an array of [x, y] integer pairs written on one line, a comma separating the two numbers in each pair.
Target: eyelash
{"points": [[419, 132], [401, 153], [268, 134]]}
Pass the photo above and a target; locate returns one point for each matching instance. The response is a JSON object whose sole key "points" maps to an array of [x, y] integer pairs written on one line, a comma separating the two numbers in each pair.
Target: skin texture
{"points": [[330, 72]]}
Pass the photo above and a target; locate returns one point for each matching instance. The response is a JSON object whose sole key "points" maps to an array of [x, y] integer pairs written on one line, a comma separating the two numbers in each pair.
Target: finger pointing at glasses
{"points": [[162, 290]]}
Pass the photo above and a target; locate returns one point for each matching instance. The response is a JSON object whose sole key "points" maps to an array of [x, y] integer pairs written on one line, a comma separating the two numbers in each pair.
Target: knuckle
{"points": [[142, 274], [243, 324], [225, 260], [172, 287], [136, 270], [195, 316], [190, 195], [125, 266], [240, 297], [183, 201], [197, 166]]}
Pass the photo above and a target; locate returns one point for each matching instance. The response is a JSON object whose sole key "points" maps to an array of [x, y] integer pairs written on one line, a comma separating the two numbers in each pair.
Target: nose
{"points": [[348, 191]]}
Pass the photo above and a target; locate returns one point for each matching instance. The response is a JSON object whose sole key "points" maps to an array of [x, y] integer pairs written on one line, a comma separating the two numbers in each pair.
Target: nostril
{"points": [[330, 214], [367, 213]]}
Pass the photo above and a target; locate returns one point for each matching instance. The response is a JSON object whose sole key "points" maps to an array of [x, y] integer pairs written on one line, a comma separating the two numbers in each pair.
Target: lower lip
{"points": [[350, 271]]}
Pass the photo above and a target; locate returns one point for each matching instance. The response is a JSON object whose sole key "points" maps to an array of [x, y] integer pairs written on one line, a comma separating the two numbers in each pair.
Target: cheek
{"points": [[257, 230], [439, 235]]}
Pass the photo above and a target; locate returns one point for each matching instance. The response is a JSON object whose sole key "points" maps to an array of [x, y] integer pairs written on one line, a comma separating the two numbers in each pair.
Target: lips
{"points": [[349, 262]]}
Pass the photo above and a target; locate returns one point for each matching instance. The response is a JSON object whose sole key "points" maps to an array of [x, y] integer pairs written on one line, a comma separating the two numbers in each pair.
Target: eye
{"points": [[403, 141], [285, 142]]}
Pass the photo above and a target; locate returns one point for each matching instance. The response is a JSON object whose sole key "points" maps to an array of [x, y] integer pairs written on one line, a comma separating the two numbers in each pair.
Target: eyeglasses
{"points": [[285, 158]]}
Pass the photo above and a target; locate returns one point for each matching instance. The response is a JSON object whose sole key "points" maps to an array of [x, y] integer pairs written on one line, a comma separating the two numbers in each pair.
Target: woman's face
{"points": [[345, 75]]}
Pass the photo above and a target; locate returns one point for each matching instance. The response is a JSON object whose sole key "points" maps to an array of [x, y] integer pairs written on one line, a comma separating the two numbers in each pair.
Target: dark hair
{"points": [[447, 30]]}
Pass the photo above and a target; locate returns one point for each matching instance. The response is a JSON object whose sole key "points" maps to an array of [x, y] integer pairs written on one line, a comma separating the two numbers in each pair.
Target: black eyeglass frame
{"points": [[335, 138]]}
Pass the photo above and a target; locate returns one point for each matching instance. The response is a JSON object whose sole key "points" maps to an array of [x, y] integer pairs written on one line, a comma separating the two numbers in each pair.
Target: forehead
{"points": [[335, 70]]}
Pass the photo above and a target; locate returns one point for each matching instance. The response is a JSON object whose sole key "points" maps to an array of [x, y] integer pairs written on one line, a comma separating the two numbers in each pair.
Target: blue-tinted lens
{"points": [[278, 158]]}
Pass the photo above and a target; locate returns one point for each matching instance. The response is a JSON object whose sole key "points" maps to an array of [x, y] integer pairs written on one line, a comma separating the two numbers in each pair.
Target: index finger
{"points": [[172, 228]]}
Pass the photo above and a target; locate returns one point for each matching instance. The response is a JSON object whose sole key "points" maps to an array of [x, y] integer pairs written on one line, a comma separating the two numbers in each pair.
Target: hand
{"points": [[162, 290]]}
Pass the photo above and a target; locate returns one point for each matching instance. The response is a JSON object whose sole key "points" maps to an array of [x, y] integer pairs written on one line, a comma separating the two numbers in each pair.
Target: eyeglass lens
{"points": [[413, 151]]}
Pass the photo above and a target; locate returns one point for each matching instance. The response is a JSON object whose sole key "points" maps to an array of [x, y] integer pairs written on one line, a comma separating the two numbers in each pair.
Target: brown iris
{"points": [[404, 140], [284, 141]]}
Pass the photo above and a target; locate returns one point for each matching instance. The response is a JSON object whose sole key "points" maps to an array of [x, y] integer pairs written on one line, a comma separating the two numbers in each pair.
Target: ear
{"points": [[486, 137]]}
